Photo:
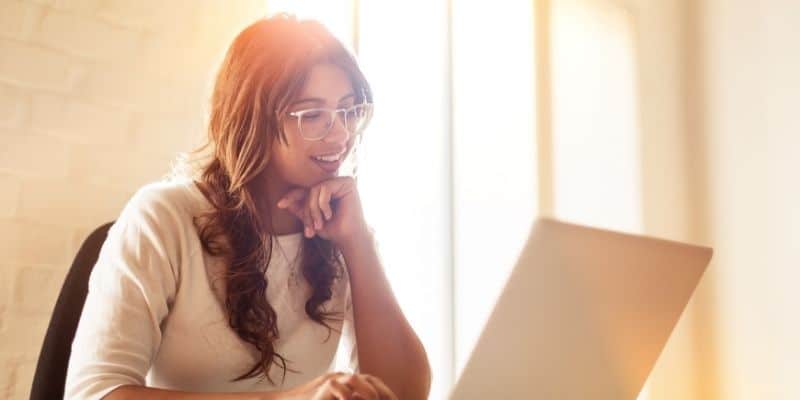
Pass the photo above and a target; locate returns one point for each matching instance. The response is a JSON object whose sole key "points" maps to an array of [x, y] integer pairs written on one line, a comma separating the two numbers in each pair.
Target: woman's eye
{"points": [[312, 115]]}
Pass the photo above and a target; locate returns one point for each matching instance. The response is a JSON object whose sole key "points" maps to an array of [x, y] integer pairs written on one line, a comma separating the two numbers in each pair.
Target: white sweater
{"points": [[154, 313]]}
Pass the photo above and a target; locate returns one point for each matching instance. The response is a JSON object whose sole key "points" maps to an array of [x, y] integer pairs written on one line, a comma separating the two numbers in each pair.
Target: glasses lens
{"points": [[315, 124], [356, 118]]}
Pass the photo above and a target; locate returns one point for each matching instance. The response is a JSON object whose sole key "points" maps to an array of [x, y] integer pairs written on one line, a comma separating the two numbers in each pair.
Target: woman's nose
{"points": [[338, 132]]}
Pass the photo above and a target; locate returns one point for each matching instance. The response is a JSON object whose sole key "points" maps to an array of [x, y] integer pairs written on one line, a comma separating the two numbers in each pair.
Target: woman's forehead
{"points": [[326, 82]]}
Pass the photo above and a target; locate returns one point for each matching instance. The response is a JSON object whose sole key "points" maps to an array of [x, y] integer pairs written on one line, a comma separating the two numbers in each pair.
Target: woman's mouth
{"points": [[328, 163]]}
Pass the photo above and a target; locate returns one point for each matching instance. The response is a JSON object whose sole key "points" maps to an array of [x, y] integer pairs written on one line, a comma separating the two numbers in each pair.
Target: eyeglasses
{"points": [[316, 123]]}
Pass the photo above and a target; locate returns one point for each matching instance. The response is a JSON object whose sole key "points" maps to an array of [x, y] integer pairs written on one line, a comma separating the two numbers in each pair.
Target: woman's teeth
{"points": [[331, 158]]}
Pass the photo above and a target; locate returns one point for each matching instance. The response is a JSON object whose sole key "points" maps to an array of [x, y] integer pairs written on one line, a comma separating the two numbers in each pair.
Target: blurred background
{"points": [[674, 118]]}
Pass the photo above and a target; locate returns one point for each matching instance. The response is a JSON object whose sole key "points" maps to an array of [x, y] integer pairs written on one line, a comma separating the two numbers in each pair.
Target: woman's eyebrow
{"points": [[320, 100]]}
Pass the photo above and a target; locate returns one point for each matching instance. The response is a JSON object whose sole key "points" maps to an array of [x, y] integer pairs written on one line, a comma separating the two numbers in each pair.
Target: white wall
{"points": [[743, 92], [750, 69], [783, 144], [96, 97]]}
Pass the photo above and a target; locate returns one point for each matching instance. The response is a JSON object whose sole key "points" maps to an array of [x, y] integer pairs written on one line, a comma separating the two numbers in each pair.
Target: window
{"points": [[596, 164], [448, 168], [494, 153], [404, 172]]}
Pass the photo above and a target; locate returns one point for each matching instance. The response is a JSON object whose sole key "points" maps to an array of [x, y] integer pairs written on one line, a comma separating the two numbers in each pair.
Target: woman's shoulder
{"points": [[168, 206], [174, 195]]}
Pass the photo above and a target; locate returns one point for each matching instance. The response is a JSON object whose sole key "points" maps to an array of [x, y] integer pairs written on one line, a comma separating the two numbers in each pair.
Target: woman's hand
{"points": [[330, 209], [341, 386]]}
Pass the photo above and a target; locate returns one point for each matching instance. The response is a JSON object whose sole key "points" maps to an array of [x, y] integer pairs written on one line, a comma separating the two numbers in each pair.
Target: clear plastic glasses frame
{"points": [[316, 123]]}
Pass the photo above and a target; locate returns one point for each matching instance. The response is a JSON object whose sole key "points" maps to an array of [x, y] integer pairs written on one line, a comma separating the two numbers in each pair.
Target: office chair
{"points": [[51, 369]]}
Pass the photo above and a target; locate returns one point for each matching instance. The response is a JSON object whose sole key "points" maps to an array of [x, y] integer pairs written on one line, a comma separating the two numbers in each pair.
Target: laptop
{"points": [[584, 315]]}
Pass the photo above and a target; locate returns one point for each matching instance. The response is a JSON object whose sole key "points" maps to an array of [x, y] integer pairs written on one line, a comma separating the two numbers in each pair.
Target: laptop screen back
{"points": [[584, 315]]}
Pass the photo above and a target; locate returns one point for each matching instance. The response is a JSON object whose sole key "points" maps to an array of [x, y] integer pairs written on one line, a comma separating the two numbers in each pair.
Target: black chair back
{"points": [[51, 369]]}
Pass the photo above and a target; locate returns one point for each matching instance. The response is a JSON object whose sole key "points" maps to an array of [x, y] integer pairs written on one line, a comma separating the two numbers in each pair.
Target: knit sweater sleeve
{"points": [[131, 289]]}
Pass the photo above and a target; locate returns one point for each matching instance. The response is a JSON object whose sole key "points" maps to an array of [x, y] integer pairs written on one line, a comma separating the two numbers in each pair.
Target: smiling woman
{"points": [[206, 282], [324, 135]]}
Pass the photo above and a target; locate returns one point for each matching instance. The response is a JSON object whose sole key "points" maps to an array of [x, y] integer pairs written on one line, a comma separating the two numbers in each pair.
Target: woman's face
{"points": [[295, 162]]}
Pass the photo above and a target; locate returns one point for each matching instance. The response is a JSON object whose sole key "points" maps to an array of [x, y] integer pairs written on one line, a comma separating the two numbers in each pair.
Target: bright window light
{"points": [[596, 148], [403, 171], [494, 155], [337, 15], [597, 167], [447, 169]]}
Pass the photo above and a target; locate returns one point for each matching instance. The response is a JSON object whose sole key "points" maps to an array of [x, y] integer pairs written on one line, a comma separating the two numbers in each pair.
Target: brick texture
{"points": [[32, 66], [18, 20], [14, 107], [96, 99]]}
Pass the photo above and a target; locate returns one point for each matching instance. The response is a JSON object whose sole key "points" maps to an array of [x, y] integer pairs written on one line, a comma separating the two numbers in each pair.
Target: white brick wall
{"points": [[31, 66], [96, 97], [19, 19], [86, 36], [14, 106]]}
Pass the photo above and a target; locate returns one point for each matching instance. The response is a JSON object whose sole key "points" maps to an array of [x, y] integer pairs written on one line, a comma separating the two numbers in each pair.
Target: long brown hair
{"points": [[262, 73]]}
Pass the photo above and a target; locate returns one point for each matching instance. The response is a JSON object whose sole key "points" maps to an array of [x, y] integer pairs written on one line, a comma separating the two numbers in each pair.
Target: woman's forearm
{"points": [[387, 345], [131, 392]]}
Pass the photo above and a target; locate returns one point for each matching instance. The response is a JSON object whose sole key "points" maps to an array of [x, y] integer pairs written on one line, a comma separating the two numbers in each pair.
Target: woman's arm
{"points": [[387, 345], [130, 290], [131, 392], [333, 385]]}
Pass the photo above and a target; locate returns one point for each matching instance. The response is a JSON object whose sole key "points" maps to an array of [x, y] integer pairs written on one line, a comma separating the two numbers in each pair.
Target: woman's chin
{"points": [[316, 179]]}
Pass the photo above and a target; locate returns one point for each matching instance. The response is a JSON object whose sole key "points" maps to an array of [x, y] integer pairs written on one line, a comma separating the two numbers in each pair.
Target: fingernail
{"points": [[318, 225], [281, 204], [308, 232]]}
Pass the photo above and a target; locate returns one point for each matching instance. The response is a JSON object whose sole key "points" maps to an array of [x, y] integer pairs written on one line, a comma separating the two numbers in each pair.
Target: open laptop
{"points": [[584, 315]]}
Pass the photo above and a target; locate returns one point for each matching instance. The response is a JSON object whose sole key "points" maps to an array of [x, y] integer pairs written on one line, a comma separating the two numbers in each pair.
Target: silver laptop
{"points": [[584, 315]]}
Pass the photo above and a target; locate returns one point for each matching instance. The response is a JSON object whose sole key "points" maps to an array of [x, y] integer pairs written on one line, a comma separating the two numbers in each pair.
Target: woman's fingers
{"points": [[352, 386], [293, 196], [296, 202], [293, 201], [296, 209], [314, 208], [309, 224], [360, 386], [383, 390], [325, 202], [339, 390], [340, 187]]}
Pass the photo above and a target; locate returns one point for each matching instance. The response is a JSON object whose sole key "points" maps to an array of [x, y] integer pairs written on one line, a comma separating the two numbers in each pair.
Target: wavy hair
{"points": [[263, 71]]}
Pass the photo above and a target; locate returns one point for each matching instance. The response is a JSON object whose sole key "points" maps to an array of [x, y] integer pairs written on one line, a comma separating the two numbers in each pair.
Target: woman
{"points": [[253, 275]]}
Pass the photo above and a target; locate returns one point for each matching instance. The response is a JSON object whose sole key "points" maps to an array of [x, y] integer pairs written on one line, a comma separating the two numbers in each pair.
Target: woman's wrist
{"points": [[280, 395], [361, 241]]}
